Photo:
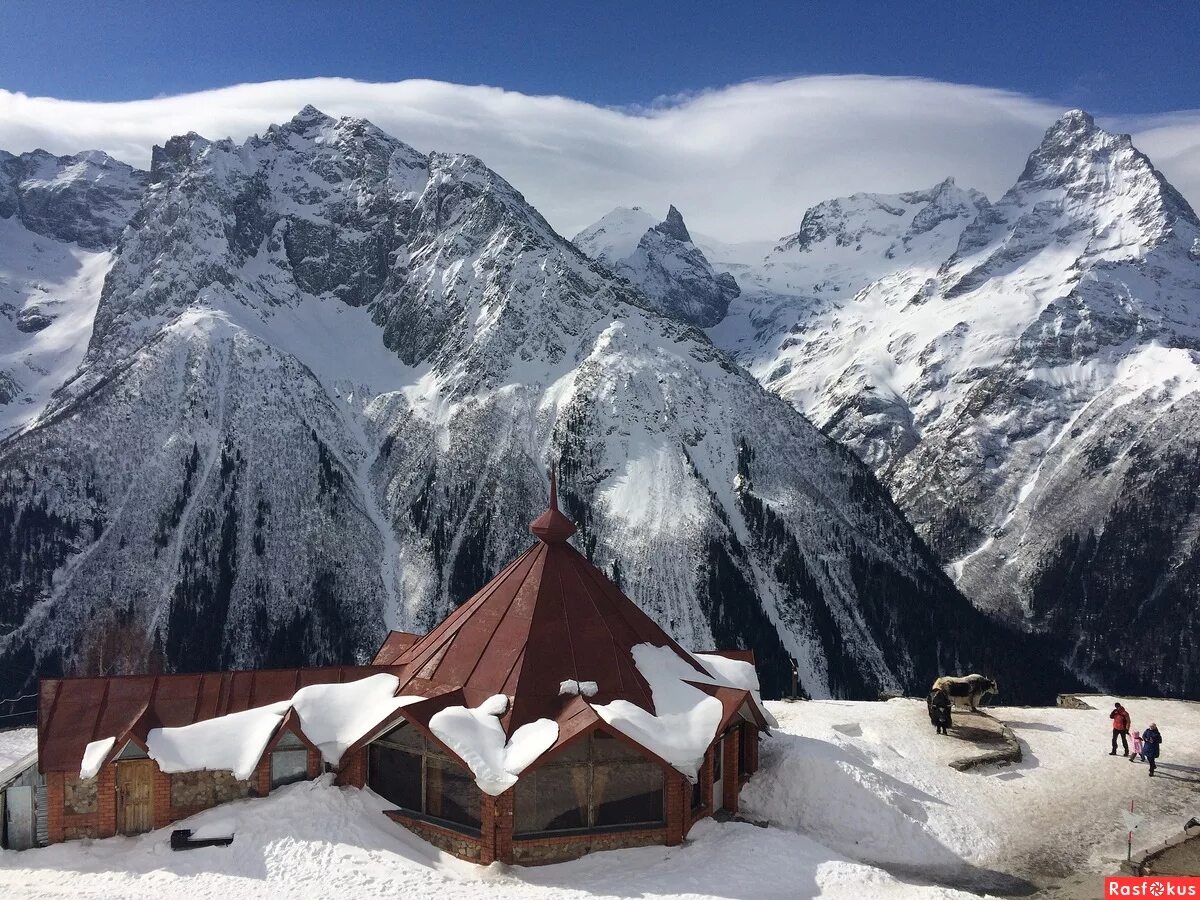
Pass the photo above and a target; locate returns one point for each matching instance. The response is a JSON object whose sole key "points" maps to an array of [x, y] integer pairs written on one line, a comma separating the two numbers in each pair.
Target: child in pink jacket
{"points": [[1137, 747]]}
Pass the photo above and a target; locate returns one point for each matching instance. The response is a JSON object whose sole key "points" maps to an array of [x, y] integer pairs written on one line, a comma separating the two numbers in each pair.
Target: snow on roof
{"points": [[734, 673], [475, 734], [685, 720], [571, 687], [94, 755], [334, 716], [234, 742]]}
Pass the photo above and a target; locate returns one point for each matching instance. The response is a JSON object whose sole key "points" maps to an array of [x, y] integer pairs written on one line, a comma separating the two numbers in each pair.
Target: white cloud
{"points": [[741, 162]]}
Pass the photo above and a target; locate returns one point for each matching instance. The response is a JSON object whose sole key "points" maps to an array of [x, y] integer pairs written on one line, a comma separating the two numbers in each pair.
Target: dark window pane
{"points": [[628, 793], [553, 798], [607, 747], [743, 750], [405, 737], [572, 754], [718, 759], [395, 775], [288, 766], [451, 792], [697, 794]]}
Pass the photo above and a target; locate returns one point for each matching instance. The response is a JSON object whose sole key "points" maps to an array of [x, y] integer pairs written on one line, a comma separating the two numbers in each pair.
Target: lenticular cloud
{"points": [[743, 162]]}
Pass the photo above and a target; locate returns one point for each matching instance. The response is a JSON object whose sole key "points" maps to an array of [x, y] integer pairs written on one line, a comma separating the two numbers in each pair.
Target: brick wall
{"points": [[56, 812], [162, 813], [678, 805], [106, 817], [496, 828], [353, 771]]}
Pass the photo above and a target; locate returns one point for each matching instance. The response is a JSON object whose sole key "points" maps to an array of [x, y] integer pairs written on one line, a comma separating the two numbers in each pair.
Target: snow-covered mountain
{"points": [[661, 259], [59, 218], [325, 377], [1022, 375]]}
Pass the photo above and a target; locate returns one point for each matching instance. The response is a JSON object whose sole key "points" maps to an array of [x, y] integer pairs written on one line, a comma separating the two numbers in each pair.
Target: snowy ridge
{"points": [[992, 363], [663, 261]]}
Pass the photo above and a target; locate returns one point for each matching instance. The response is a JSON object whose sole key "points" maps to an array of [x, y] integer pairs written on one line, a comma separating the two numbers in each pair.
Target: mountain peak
{"points": [[310, 115], [673, 227]]}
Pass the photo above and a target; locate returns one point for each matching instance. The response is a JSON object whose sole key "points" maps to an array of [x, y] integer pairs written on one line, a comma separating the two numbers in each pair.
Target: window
{"points": [[289, 760], [420, 777], [596, 783], [743, 751], [132, 751]]}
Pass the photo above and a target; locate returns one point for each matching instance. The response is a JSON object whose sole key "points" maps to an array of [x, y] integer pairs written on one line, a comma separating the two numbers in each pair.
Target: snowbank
{"points": [[476, 735], [840, 781], [316, 840]]}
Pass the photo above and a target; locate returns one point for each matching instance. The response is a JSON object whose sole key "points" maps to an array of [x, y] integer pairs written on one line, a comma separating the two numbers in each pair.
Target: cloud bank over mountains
{"points": [[743, 162]]}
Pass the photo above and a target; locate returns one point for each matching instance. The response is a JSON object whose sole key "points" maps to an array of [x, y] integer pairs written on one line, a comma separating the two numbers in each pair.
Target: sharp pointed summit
{"points": [[673, 227]]}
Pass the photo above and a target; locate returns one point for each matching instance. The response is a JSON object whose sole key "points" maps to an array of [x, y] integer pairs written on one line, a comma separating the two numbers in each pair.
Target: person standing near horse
{"points": [[1120, 726]]}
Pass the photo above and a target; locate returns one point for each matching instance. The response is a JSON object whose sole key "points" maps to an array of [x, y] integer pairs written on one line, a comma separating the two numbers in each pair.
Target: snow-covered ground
{"points": [[859, 799]]}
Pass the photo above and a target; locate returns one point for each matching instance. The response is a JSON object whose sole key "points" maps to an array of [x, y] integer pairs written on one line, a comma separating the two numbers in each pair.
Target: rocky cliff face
{"points": [[325, 377], [1022, 376], [59, 218], [663, 262]]}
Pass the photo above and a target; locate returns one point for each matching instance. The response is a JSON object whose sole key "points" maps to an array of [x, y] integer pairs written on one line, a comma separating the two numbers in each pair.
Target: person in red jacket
{"points": [[1120, 723]]}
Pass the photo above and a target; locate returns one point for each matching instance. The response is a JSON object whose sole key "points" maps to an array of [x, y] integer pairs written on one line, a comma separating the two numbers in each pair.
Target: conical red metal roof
{"points": [[549, 617]]}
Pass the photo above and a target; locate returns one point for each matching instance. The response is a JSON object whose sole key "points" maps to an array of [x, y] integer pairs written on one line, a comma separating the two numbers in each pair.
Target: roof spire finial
{"points": [[552, 526]]}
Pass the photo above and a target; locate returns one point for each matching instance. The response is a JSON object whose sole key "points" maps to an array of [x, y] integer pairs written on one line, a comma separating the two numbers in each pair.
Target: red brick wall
{"points": [[353, 771], [314, 763], [56, 798], [163, 813], [496, 828], [678, 802]]}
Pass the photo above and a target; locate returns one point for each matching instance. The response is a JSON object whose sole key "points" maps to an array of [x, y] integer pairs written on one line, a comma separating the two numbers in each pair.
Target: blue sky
{"points": [[1115, 58]]}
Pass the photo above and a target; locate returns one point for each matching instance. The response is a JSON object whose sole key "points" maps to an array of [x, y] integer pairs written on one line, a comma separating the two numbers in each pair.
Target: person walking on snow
{"points": [[1151, 740], [1137, 748], [939, 703], [1120, 723]]}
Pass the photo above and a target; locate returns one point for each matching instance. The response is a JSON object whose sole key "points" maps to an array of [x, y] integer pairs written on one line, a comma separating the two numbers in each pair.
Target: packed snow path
{"points": [[860, 800]]}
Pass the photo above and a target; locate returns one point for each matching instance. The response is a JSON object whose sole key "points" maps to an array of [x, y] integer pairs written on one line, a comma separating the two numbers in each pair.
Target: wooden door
{"points": [[135, 797]]}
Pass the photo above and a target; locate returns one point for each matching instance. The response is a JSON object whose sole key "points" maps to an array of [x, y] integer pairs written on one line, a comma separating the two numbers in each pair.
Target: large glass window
{"points": [[420, 777], [289, 760], [597, 782]]}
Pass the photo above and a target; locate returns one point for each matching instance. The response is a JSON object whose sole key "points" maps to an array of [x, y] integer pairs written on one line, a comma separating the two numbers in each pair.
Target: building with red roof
{"points": [[546, 717]]}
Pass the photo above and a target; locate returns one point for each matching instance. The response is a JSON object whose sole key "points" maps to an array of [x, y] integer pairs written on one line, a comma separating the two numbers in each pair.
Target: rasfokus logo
{"points": [[1152, 886]]}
